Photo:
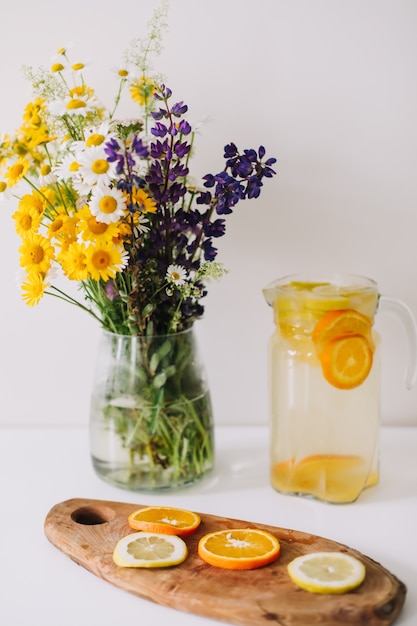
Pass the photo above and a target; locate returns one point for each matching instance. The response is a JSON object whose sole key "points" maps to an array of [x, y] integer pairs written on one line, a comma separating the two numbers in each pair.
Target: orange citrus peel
{"points": [[239, 548], [344, 345], [165, 520]]}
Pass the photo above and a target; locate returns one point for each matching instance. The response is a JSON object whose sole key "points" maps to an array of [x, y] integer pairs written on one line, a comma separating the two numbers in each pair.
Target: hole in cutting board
{"points": [[91, 516]]}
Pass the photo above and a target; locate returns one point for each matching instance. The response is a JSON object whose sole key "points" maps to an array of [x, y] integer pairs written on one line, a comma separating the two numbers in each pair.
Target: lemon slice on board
{"points": [[327, 572], [164, 519], [239, 548], [145, 549]]}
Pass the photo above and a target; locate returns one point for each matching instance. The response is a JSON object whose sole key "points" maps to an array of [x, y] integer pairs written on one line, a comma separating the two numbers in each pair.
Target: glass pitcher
{"points": [[324, 369]]}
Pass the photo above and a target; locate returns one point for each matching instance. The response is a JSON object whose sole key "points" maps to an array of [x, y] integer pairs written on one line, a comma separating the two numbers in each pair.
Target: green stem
{"points": [[64, 296]]}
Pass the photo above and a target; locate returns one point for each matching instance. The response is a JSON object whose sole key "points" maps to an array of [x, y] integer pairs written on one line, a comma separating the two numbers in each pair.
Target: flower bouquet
{"points": [[108, 205]]}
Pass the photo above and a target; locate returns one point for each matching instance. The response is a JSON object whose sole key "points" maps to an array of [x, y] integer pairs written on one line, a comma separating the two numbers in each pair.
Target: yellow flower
{"points": [[93, 230], [33, 289], [74, 261], [57, 226], [143, 201], [32, 201], [142, 90], [104, 261], [27, 219], [57, 67], [36, 254], [17, 171], [32, 114], [47, 196], [66, 233]]}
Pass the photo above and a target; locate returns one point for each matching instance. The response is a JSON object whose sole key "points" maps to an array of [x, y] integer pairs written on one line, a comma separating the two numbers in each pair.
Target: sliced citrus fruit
{"points": [[239, 548], [326, 298], [330, 477], [327, 572], [164, 519], [341, 323], [144, 549], [346, 362]]}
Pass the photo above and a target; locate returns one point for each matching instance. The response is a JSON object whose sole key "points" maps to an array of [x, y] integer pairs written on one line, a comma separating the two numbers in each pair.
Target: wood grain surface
{"points": [[88, 530]]}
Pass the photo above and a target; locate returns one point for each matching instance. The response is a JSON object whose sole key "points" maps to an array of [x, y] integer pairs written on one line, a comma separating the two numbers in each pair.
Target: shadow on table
{"points": [[243, 468]]}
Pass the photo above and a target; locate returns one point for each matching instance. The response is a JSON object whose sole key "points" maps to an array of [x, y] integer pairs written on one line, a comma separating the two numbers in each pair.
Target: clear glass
{"points": [[151, 422], [324, 438]]}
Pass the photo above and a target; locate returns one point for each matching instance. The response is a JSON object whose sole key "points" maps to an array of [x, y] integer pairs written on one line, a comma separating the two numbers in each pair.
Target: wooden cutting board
{"points": [[88, 530]]}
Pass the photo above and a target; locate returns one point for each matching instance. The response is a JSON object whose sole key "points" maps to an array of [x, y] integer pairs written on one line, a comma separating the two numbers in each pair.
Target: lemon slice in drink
{"points": [[145, 549], [327, 572], [327, 298]]}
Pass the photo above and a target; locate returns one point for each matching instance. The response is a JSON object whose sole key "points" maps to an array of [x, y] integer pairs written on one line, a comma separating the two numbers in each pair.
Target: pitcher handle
{"points": [[403, 312]]}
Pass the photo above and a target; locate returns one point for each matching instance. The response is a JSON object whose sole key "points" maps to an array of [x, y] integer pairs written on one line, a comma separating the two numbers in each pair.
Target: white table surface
{"points": [[40, 467]]}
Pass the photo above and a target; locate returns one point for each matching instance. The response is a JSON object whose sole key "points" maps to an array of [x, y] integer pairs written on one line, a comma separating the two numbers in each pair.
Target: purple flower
{"points": [[215, 229], [159, 130], [139, 148], [159, 149], [181, 149], [184, 127], [111, 291], [210, 252], [179, 109]]}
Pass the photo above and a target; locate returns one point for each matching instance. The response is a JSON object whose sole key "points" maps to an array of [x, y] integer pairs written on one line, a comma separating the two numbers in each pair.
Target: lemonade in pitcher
{"points": [[324, 387]]}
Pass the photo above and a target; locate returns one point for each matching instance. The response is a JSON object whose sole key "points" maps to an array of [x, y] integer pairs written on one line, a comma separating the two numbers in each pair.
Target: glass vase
{"points": [[151, 422]]}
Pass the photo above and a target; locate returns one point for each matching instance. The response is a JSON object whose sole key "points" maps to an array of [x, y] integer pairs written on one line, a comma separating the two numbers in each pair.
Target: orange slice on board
{"points": [[346, 362], [239, 548], [164, 519]]}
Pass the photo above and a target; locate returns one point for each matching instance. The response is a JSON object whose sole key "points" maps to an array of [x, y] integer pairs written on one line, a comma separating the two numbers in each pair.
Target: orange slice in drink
{"points": [[346, 362], [329, 477], [164, 519], [341, 323], [239, 548], [344, 344]]}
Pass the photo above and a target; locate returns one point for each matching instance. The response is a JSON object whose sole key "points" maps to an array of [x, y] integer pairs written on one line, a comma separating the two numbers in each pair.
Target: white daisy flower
{"points": [[81, 187], [67, 169], [141, 227], [59, 63], [121, 72], [125, 259], [73, 105], [46, 176], [94, 166], [107, 204], [176, 274], [80, 66], [94, 136]]}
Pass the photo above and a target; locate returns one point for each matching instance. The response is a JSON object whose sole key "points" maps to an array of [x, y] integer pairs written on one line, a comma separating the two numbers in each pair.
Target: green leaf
{"points": [[147, 310], [165, 349], [159, 380], [154, 362], [170, 371]]}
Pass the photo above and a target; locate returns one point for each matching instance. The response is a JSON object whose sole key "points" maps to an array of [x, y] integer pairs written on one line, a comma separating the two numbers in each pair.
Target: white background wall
{"points": [[329, 87]]}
